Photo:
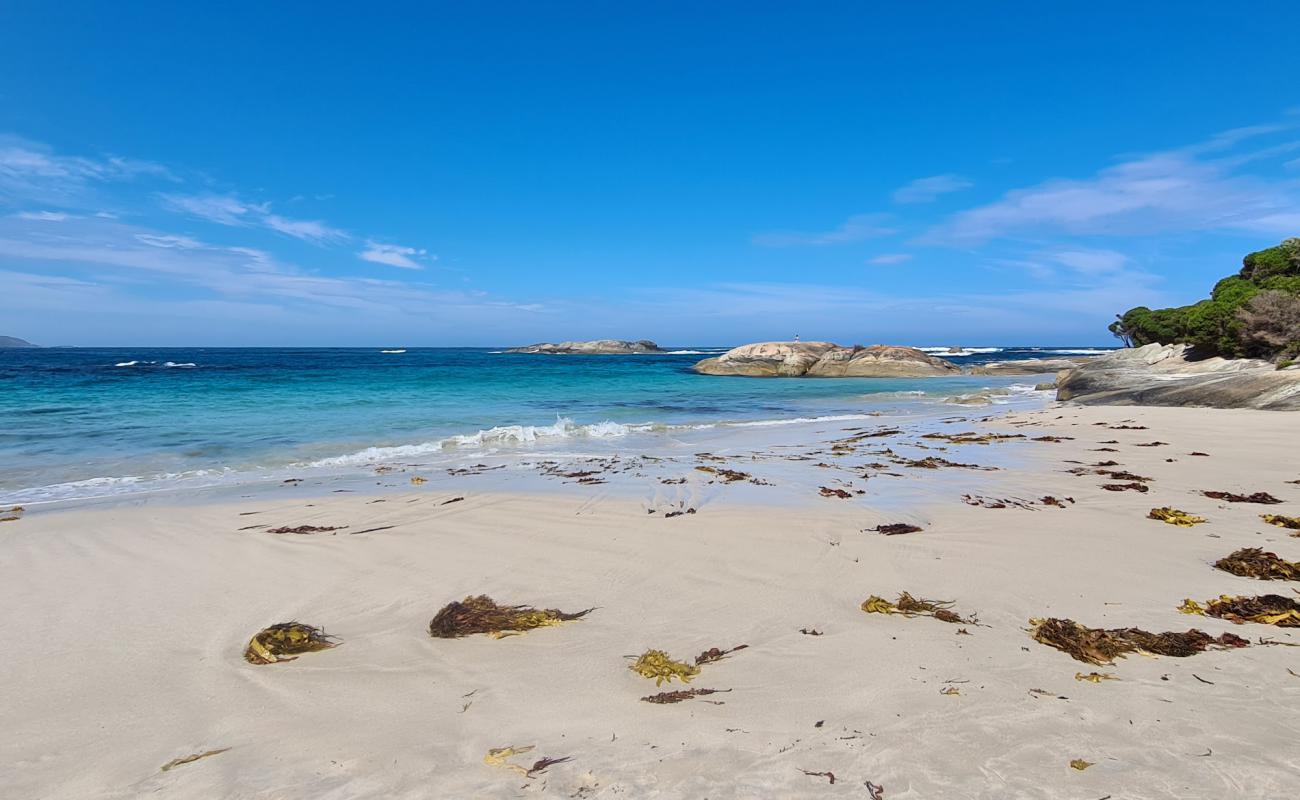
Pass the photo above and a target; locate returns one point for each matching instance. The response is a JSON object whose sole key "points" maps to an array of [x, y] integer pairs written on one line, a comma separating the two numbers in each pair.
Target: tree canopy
{"points": [[1254, 313]]}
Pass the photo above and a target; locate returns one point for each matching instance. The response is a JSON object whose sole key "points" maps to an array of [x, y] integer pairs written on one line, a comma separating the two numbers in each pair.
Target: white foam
{"points": [[174, 365], [1083, 351], [962, 351]]}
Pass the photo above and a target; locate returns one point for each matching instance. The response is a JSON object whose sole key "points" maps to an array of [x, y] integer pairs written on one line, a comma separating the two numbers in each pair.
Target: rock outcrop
{"points": [[1028, 366], [1164, 375], [15, 342], [601, 347], [825, 360]]}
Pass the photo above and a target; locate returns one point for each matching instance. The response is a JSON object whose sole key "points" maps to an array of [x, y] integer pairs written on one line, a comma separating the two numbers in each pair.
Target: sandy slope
{"points": [[123, 627]]}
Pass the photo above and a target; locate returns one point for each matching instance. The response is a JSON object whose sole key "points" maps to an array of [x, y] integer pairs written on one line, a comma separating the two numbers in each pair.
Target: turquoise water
{"points": [[74, 421]]}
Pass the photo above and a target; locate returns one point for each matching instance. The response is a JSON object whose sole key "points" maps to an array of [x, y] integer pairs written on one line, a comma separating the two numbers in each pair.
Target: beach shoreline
{"points": [[126, 621]]}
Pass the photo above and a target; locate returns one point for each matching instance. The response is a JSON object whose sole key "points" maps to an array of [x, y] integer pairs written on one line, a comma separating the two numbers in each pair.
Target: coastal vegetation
{"points": [[1255, 313]]}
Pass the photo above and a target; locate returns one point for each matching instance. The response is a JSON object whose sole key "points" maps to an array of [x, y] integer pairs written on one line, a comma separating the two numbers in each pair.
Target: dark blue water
{"points": [[72, 415]]}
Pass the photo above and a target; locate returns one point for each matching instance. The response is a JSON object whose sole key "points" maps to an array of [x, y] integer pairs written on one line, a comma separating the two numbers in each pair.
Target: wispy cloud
{"points": [[43, 216], [194, 269], [33, 174], [927, 190], [313, 231], [394, 255], [856, 228], [890, 258], [229, 209], [1199, 187]]}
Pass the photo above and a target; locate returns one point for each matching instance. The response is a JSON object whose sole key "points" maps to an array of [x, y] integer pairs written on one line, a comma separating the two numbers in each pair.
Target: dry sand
{"points": [[123, 629]]}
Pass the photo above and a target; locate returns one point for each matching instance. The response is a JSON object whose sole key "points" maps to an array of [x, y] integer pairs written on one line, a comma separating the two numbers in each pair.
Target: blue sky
{"points": [[497, 173]]}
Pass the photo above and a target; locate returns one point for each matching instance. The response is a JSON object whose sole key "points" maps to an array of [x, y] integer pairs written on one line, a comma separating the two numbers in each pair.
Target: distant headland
{"points": [[15, 342]]}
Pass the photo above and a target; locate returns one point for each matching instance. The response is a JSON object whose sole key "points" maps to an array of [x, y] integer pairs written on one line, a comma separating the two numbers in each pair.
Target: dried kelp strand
{"points": [[482, 614], [910, 606], [1258, 497], [668, 698], [714, 654], [1255, 562], [1282, 522], [304, 529], [896, 528], [285, 642], [656, 664], [1175, 517], [1101, 646], [1267, 609], [176, 762]]}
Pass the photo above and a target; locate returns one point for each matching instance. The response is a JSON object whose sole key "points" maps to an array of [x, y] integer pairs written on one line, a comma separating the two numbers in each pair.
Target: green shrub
{"points": [[1229, 324]]}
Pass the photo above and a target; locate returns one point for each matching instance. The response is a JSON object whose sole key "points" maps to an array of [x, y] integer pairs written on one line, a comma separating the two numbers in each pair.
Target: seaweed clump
{"points": [[657, 664], [1102, 646], [482, 614], [668, 698], [1258, 497], [1292, 523], [1175, 517], [11, 514], [285, 642], [1266, 609], [1254, 562], [896, 528], [910, 606]]}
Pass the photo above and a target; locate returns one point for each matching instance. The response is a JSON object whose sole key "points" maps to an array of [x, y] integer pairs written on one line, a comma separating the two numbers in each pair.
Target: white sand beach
{"points": [[124, 627]]}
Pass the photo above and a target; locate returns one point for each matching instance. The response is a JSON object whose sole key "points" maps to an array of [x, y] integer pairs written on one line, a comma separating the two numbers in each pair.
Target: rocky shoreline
{"points": [[600, 347], [1170, 375], [825, 360]]}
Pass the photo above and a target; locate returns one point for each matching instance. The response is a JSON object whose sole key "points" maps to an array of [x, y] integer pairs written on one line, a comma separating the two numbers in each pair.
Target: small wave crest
{"points": [[163, 365], [959, 351]]}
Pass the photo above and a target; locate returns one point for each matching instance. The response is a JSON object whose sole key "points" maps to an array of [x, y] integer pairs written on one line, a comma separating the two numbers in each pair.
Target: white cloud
{"points": [[308, 230], [393, 255], [890, 258], [43, 216], [926, 190], [856, 228], [180, 242], [223, 209], [229, 209], [1090, 262], [1192, 188]]}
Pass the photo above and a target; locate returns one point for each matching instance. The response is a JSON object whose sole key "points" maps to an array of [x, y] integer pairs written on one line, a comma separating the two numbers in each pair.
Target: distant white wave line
{"points": [[165, 364], [961, 351], [564, 428]]}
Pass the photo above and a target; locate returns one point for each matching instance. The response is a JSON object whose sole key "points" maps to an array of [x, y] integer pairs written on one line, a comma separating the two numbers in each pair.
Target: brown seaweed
{"points": [[1266, 609], [827, 491], [176, 762], [285, 641], [896, 528], [1102, 646], [1254, 562], [1134, 486], [305, 529], [715, 654], [1258, 497], [910, 606], [970, 437], [11, 514], [1282, 522], [667, 698], [482, 614], [725, 475]]}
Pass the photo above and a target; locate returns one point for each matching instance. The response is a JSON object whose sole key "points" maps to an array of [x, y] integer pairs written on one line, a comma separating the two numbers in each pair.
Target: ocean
{"points": [[79, 423]]}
